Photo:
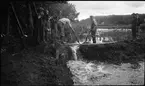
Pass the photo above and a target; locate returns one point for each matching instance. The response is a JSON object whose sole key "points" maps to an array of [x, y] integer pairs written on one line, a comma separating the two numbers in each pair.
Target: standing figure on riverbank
{"points": [[135, 25], [93, 28], [142, 26]]}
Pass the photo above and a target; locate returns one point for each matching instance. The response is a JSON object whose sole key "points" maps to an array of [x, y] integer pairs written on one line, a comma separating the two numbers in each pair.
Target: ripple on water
{"points": [[86, 73]]}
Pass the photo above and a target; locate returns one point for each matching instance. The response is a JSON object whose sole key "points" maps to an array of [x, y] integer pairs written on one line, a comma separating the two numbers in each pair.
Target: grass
{"points": [[32, 67]]}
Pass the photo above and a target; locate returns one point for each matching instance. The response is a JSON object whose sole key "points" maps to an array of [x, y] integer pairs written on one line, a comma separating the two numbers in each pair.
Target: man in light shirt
{"points": [[65, 28]]}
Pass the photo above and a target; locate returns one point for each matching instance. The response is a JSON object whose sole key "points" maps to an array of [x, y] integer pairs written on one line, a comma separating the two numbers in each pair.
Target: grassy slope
{"points": [[32, 67]]}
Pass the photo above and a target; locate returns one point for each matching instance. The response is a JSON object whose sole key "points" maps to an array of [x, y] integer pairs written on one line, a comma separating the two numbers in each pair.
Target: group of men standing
{"points": [[65, 30], [135, 26]]}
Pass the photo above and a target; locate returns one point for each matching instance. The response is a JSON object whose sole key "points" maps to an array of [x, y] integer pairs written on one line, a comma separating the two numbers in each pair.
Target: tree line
{"points": [[27, 21], [110, 20], [113, 19]]}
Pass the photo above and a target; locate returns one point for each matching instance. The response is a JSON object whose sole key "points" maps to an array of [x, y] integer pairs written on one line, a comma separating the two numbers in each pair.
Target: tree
{"points": [[55, 12], [28, 13]]}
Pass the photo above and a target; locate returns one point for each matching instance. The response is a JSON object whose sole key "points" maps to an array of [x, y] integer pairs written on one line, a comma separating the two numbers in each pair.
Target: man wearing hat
{"points": [[65, 28]]}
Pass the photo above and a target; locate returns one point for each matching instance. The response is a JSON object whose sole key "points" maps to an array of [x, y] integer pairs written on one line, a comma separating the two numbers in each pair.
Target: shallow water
{"points": [[83, 71], [74, 49], [88, 73]]}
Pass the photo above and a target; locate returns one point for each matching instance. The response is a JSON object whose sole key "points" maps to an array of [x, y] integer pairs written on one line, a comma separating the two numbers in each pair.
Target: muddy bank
{"points": [[123, 51], [34, 67]]}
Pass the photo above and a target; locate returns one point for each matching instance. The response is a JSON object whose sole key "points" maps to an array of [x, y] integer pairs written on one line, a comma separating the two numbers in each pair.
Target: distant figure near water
{"points": [[135, 25], [93, 28], [142, 26]]}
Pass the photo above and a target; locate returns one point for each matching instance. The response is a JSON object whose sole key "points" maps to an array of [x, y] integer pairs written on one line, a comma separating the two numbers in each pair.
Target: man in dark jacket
{"points": [[93, 28], [138, 22], [135, 25], [142, 26]]}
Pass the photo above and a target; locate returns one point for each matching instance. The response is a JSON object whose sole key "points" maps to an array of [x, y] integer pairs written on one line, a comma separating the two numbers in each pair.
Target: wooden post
{"points": [[8, 23], [36, 32], [30, 19], [20, 28]]}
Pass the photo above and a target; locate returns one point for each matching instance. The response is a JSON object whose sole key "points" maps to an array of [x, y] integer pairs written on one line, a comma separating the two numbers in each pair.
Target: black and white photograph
{"points": [[72, 43]]}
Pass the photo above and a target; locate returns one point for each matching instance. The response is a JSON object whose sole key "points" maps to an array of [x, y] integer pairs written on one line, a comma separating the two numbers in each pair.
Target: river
{"points": [[101, 39], [89, 73]]}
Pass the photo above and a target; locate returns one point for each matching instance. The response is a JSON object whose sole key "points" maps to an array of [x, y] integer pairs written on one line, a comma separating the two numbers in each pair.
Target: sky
{"points": [[98, 8]]}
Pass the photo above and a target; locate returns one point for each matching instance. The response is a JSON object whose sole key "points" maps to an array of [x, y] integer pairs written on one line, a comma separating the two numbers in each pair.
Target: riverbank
{"points": [[120, 63], [33, 67], [122, 51]]}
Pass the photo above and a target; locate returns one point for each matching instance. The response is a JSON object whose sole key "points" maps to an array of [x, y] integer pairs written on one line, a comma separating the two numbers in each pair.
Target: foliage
{"points": [[59, 10], [113, 19], [28, 12]]}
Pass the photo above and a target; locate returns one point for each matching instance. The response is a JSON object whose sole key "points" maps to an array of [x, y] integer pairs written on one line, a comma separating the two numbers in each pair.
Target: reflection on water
{"points": [[107, 30], [99, 40], [100, 31], [107, 35]]}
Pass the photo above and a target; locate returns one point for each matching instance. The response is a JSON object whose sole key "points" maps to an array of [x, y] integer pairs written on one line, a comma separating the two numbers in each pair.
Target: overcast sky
{"points": [[87, 8]]}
